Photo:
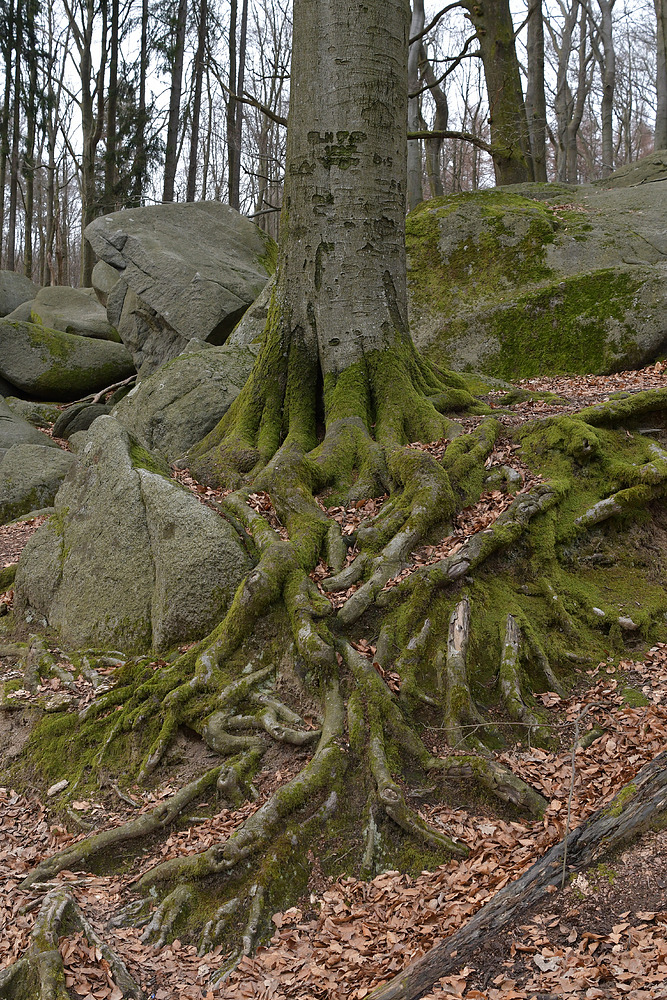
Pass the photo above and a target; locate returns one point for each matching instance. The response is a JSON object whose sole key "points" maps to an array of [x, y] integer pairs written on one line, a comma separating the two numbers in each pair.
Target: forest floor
{"points": [[603, 935]]}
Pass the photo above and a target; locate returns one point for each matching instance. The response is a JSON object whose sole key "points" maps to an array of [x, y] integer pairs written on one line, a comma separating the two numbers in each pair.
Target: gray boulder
{"points": [[130, 559], [14, 289], [250, 329], [536, 279], [37, 414], [185, 270], [78, 417], [104, 278], [15, 430], [30, 477], [72, 310], [22, 313], [59, 366], [181, 402]]}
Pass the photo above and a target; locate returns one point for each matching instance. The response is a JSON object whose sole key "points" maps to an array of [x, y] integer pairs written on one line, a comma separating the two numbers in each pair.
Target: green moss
{"points": [[634, 698], [143, 459], [616, 807], [7, 574], [269, 260]]}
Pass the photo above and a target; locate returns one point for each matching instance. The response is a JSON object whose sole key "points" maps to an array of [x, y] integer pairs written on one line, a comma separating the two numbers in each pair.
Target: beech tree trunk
{"points": [[342, 268], [536, 106], [661, 75], [171, 155], [510, 138], [415, 189]]}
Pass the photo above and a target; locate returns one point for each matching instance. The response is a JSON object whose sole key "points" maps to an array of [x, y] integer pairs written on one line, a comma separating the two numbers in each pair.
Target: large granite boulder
{"points": [[30, 477], [72, 310], [59, 366], [184, 271], [14, 289], [130, 559], [543, 278], [14, 429], [180, 403]]}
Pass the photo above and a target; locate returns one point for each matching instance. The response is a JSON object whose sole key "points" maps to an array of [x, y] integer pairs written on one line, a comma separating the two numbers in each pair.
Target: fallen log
{"points": [[636, 808]]}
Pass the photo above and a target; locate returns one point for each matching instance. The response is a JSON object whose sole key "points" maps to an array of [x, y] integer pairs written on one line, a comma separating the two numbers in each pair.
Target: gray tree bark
{"points": [[415, 188], [342, 282], [536, 106], [661, 75], [171, 155]]}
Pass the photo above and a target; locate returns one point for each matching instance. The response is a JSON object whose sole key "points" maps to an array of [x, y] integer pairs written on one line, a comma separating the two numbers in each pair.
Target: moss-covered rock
{"points": [[30, 477], [180, 403], [50, 364], [542, 279], [129, 559]]}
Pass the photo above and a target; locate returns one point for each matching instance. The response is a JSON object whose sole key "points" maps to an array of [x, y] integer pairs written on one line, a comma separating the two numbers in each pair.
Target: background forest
{"points": [[108, 104]]}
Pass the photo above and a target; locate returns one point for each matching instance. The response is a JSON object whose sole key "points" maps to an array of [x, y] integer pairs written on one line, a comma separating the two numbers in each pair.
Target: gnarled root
{"points": [[160, 817], [39, 974], [509, 676]]}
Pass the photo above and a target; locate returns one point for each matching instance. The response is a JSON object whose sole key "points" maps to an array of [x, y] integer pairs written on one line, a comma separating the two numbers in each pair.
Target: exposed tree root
{"points": [[509, 676], [85, 850], [40, 972], [639, 806]]}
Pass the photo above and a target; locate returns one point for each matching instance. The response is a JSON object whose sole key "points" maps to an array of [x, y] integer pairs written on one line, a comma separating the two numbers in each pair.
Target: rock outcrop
{"points": [[543, 278], [53, 365], [15, 289], [30, 477], [130, 559], [184, 271], [72, 310], [181, 402]]}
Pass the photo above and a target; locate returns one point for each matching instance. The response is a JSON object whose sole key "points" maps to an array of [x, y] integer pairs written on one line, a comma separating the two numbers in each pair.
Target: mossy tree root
{"points": [[84, 851], [40, 971], [509, 676], [324, 769], [461, 718]]}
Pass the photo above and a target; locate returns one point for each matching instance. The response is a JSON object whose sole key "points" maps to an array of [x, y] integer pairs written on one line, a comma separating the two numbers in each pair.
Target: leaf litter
{"points": [[607, 936]]}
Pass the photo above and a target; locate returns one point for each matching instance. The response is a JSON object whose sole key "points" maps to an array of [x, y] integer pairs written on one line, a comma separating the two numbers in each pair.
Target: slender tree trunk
{"points": [[661, 75], [510, 139], [139, 164], [110, 172], [440, 122], [16, 132], [196, 102], [232, 104], [536, 106], [31, 123], [237, 145], [607, 63], [415, 186], [7, 44], [171, 156]]}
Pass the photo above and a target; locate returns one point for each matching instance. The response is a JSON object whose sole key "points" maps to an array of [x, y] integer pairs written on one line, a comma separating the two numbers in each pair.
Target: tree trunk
{"points": [[139, 164], [171, 155], [510, 138], [536, 107], [110, 168], [196, 102], [607, 64], [14, 156], [440, 122], [415, 187], [31, 123], [7, 50], [661, 75], [232, 105]]}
